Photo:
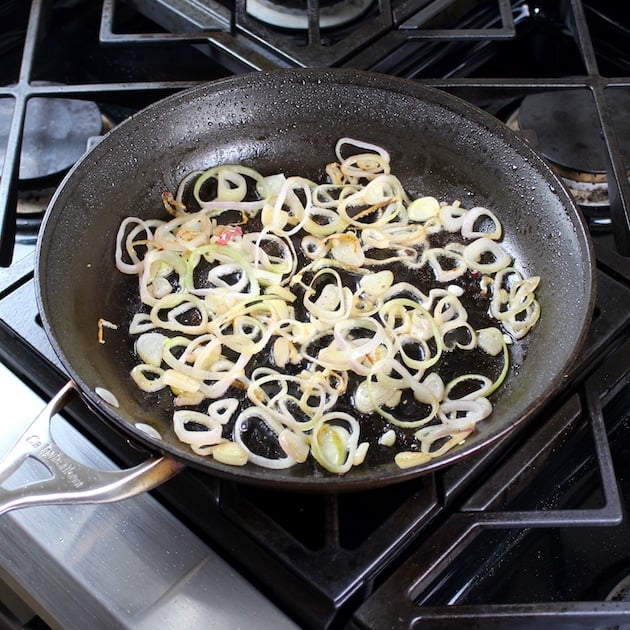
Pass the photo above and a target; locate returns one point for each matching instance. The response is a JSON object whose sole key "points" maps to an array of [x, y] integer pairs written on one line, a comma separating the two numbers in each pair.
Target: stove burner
{"points": [[56, 133], [293, 14], [564, 127], [567, 127]]}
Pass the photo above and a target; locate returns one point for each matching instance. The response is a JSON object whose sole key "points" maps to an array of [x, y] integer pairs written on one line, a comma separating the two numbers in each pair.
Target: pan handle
{"points": [[72, 482]]}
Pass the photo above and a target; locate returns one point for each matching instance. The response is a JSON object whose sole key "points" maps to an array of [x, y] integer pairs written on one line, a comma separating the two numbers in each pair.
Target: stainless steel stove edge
{"points": [[123, 565]]}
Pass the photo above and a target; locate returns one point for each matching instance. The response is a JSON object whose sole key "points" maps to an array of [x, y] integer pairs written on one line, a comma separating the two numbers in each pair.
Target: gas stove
{"points": [[532, 530]]}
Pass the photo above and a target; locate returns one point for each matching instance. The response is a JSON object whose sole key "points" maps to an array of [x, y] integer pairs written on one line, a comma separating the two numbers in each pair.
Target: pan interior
{"points": [[289, 121]]}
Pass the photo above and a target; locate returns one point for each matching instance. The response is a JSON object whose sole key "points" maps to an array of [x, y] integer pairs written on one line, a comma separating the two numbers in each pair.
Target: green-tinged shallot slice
{"points": [[451, 318], [408, 320], [458, 334], [150, 346], [230, 454], [504, 372], [179, 382], [334, 441], [410, 459], [467, 387], [414, 352], [519, 324]]}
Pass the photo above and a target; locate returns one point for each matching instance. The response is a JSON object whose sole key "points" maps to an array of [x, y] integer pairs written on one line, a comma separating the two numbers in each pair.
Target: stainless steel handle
{"points": [[72, 482]]}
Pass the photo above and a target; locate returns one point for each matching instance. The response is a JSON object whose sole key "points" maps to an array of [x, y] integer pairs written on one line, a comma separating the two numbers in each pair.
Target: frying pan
{"points": [[288, 121]]}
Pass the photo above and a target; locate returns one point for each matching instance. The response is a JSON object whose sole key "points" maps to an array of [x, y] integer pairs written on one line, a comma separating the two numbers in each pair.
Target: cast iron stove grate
{"points": [[241, 36]]}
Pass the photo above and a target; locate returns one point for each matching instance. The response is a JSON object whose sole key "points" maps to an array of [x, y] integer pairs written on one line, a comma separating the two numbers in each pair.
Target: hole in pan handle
{"points": [[72, 482]]}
